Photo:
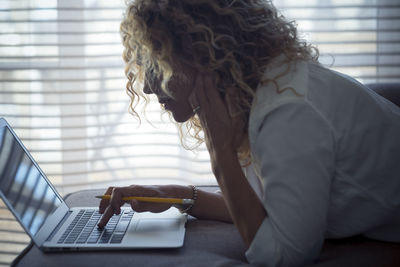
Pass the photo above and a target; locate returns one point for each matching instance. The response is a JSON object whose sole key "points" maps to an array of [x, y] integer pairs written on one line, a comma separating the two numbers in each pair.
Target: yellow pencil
{"points": [[154, 199]]}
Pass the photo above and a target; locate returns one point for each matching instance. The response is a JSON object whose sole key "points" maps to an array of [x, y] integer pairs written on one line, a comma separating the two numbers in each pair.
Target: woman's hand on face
{"points": [[113, 206], [222, 127]]}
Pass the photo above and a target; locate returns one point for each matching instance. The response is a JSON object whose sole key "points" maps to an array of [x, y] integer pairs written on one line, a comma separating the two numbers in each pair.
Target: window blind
{"points": [[63, 89], [360, 37], [63, 85]]}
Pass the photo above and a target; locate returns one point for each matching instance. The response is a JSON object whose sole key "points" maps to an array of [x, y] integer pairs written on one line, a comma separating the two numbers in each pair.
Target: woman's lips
{"points": [[165, 102]]}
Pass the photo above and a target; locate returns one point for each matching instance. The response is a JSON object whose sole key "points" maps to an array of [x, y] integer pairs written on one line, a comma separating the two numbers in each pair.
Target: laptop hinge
{"points": [[53, 233]]}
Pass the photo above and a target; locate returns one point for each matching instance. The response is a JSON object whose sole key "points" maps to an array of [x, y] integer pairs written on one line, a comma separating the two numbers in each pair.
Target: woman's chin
{"points": [[179, 113], [181, 117]]}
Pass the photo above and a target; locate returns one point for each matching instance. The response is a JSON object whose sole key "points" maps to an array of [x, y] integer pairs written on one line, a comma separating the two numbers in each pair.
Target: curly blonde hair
{"points": [[234, 39]]}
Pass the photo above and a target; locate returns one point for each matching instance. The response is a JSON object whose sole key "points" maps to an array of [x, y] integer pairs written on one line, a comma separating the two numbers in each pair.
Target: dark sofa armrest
{"points": [[390, 91]]}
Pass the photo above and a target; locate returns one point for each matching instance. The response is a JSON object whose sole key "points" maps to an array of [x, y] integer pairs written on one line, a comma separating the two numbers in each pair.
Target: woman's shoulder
{"points": [[306, 82], [283, 82]]}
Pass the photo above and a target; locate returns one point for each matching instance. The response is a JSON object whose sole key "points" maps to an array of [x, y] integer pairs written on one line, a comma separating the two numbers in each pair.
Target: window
{"points": [[63, 89], [359, 37]]}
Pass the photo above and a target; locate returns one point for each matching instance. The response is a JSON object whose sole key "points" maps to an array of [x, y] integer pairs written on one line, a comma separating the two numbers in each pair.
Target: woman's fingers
{"points": [[108, 213], [116, 198], [105, 202], [206, 96], [214, 116], [193, 98], [113, 206], [140, 206]]}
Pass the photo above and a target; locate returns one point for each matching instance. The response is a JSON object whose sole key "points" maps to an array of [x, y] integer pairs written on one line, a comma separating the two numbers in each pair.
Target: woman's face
{"points": [[180, 87]]}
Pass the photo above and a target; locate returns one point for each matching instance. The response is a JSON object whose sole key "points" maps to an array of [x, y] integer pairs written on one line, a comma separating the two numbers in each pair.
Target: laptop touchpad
{"points": [[157, 225]]}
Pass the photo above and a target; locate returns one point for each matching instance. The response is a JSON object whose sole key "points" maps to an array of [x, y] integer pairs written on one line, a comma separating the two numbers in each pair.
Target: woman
{"points": [[301, 153]]}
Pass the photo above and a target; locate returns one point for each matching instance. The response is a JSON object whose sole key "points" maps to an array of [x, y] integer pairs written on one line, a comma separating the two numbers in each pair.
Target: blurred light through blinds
{"points": [[63, 86], [63, 90], [358, 37]]}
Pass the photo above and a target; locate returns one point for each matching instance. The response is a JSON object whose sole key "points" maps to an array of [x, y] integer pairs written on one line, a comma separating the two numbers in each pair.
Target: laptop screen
{"points": [[22, 184]]}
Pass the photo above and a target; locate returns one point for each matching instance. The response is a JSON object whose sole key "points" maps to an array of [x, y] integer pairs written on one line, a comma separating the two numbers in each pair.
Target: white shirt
{"points": [[326, 163]]}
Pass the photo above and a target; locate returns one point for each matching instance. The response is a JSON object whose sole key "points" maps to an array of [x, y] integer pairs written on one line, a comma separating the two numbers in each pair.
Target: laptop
{"points": [[53, 226]]}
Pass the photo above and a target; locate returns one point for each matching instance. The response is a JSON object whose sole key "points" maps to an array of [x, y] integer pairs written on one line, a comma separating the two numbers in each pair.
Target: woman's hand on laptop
{"points": [[109, 207]]}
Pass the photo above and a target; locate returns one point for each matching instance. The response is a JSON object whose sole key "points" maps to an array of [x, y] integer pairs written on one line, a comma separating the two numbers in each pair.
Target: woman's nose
{"points": [[147, 89]]}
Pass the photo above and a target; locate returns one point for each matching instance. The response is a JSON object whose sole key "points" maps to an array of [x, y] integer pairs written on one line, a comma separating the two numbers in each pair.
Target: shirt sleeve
{"points": [[294, 150]]}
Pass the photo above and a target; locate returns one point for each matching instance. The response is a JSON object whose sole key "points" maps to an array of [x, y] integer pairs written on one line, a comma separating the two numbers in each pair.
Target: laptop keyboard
{"points": [[84, 230]]}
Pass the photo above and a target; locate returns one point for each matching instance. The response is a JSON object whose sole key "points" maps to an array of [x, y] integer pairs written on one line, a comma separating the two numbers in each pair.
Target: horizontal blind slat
{"points": [[280, 5], [118, 44], [117, 20]]}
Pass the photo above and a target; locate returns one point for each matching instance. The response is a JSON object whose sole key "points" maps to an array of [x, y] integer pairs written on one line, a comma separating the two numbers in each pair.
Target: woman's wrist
{"points": [[186, 208], [179, 191], [223, 160]]}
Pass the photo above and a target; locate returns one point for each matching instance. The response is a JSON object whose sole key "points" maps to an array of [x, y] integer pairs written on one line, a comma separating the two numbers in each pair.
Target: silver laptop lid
{"points": [[24, 187]]}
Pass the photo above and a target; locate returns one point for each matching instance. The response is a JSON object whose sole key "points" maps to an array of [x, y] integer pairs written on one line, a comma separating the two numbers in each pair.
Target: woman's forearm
{"points": [[246, 209], [208, 206]]}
